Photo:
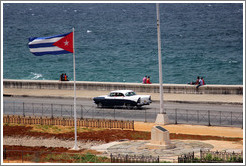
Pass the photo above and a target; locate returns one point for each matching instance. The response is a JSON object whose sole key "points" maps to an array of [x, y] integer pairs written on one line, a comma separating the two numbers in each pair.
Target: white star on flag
{"points": [[66, 43]]}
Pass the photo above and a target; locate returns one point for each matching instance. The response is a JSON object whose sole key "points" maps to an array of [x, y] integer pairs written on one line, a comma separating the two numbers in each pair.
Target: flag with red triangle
{"points": [[59, 44]]}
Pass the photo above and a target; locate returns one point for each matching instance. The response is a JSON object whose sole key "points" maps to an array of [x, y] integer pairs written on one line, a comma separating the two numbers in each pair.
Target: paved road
{"points": [[224, 115]]}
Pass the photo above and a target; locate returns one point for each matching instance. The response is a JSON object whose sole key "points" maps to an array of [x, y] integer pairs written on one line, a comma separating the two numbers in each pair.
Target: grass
{"points": [[76, 158], [53, 129], [140, 136], [61, 129]]}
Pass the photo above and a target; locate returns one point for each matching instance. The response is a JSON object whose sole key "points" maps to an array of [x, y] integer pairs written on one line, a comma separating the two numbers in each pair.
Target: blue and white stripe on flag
{"points": [[51, 45]]}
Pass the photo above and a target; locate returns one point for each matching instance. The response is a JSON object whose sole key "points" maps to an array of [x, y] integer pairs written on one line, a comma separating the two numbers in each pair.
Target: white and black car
{"points": [[126, 98]]}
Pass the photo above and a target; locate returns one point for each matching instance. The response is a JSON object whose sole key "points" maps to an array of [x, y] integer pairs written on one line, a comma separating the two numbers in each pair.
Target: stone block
{"points": [[160, 136]]}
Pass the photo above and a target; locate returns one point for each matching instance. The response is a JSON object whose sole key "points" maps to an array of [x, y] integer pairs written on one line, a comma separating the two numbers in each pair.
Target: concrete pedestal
{"points": [[161, 119], [159, 138]]}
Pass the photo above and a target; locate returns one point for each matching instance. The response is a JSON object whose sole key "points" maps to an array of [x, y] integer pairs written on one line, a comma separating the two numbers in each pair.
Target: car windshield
{"points": [[130, 93]]}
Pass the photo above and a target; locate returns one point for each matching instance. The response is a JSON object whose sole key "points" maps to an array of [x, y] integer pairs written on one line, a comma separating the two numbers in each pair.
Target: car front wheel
{"points": [[99, 105]]}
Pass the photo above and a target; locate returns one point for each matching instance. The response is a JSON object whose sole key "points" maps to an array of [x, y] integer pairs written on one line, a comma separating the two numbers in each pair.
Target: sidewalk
{"points": [[229, 132], [181, 98]]}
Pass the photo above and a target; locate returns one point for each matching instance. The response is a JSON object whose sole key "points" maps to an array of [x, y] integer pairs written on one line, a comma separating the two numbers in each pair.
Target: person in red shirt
{"points": [[148, 80], [203, 82]]}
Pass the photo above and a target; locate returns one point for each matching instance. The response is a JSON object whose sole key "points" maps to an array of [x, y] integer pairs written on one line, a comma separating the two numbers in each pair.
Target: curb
{"points": [[171, 101]]}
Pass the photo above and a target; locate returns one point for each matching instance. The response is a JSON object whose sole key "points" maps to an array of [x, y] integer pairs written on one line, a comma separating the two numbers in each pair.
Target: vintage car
{"points": [[126, 98]]}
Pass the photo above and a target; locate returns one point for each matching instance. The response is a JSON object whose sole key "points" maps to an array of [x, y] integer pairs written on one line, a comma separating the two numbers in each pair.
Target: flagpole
{"points": [[162, 117], [74, 107], [159, 59]]}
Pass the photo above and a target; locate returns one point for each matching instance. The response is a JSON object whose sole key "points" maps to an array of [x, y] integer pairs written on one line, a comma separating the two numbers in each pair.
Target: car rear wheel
{"points": [[129, 106], [139, 106]]}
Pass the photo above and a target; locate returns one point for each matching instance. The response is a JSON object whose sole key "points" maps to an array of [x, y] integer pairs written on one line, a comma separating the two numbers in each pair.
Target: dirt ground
{"points": [[103, 135], [107, 135]]}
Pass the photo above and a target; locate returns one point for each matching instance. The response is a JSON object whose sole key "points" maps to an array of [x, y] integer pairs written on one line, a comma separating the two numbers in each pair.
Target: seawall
{"points": [[109, 86]]}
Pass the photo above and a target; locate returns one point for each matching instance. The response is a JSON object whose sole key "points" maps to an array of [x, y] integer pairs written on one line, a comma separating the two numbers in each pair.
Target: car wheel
{"points": [[99, 105], [139, 106], [129, 106]]}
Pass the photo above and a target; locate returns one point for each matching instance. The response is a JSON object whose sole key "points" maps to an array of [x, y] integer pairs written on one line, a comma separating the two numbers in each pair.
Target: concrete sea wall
{"points": [[109, 86]]}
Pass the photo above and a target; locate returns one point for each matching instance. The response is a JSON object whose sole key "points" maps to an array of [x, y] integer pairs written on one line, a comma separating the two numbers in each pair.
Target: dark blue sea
{"points": [[117, 42]]}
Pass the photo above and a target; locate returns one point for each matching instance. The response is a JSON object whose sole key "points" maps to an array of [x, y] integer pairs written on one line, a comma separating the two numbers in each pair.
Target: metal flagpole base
{"points": [[161, 119], [75, 148]]}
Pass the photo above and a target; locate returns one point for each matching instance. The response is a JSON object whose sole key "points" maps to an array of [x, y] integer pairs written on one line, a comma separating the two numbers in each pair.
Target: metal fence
{"points": [[98, 123], [133, 159], [176, 116], [207, 156]]}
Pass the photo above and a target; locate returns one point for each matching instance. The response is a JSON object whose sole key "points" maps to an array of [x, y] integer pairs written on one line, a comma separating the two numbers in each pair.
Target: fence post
{"points": [[22, 156], [220, 118], [71, 111], [42, 109], [61, 110], [176, 118], [114, 112], [133, 125], [209, 118], [23, 109], [198, 121], [81, 112], [14, 107], [52, 111], [242, 120], [231, 118], [32, 109], [187, 116], [145, 117], [126, 159], [5, 153]]}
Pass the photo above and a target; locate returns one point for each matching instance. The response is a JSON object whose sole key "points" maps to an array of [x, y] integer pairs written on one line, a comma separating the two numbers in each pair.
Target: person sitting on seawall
{"points": [[195, 83], [201, 82], [65, 77], [148, 80], [144, 80], [61, 77]]}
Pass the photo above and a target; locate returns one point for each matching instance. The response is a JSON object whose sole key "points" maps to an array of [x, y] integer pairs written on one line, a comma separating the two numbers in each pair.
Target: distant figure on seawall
{"points": [[145, 80], [148, 80], [196, 82]]}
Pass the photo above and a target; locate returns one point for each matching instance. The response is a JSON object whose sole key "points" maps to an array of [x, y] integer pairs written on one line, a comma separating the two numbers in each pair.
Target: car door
{"points": [[119, 99]]}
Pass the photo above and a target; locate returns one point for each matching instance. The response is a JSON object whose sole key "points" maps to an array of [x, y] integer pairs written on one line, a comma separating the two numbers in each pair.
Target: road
{"points": [[224, 115]]}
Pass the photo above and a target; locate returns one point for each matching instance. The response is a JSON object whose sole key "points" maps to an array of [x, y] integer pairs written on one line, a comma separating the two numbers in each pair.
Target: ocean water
{"points": [[117, 42]]}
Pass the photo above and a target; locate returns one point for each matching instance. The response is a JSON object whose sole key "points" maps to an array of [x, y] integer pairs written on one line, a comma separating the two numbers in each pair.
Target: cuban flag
{"points": [[59, 44]]}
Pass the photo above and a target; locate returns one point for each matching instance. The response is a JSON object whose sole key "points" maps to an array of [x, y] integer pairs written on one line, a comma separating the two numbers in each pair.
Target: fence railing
{"points": [[223, 156], [207, 156], [97, 123], [133, 159], [176, 116], [186, 158]]}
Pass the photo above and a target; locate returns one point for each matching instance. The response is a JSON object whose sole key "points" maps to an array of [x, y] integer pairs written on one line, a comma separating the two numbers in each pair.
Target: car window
{"points": [[112, 94], [130, 93], [121, 94]]}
